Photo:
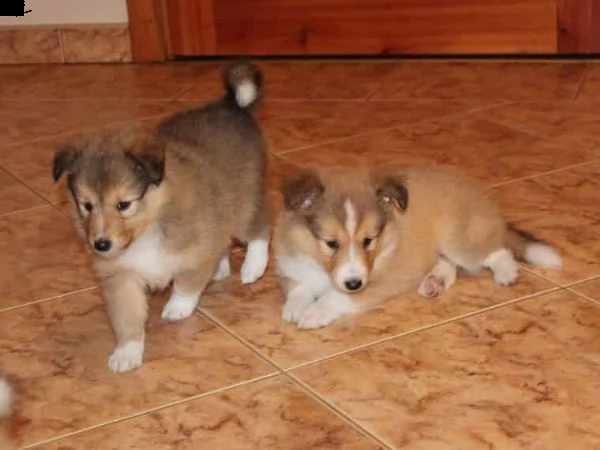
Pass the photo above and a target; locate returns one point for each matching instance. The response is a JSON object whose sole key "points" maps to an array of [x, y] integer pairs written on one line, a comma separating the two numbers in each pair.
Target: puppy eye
{"points": [[332, 244], [88, 206], [367, 242], [123, 206]]}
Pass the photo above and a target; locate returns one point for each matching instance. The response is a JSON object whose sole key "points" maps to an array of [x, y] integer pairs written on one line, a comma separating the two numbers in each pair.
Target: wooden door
{"points": [[363, 27]]}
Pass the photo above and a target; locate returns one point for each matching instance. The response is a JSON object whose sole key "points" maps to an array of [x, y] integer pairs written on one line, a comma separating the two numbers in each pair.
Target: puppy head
{"points": [[347, 213], [113, 182]]}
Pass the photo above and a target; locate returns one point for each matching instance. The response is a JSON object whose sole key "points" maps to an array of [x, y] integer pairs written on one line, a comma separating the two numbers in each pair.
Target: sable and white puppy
{"points": [[349, 239], [6, 406], [162, 208]]}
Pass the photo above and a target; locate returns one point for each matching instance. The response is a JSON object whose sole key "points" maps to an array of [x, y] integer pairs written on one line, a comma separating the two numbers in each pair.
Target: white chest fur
{"points": [[305, 271], [148, 257]]}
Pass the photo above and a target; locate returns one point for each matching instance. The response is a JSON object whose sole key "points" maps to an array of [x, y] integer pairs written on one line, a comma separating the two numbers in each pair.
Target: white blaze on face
{"points": [[352, 269]]}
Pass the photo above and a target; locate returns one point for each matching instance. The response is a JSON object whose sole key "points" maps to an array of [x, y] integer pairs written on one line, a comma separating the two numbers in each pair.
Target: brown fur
{"points": [[426, 211], [197, 182]]}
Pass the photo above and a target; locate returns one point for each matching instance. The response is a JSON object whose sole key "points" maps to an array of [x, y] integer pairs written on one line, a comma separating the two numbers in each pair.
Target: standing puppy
{"points": [[351, 238], [162, 208]]}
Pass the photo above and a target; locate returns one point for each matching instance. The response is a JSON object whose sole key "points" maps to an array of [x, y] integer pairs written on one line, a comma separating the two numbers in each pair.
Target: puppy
{"points": [[6, 404], [163, 207], [349, 239]]}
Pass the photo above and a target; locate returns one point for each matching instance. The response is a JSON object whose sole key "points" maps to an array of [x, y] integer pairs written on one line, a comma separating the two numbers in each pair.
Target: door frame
{"points": [[149, 34]]}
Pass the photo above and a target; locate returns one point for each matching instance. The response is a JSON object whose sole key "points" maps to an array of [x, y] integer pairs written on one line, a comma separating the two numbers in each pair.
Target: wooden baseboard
{"points": [[65, 44]]}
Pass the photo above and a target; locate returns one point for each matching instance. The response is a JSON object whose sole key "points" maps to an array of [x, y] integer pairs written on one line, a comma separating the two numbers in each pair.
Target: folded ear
{"points": [[148, 157], [391, 190], [65, 160], [302, 191]]}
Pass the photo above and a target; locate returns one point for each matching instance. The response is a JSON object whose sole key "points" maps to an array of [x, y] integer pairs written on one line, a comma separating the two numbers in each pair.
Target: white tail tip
{"points": [[245, 93], [541, 255], [6, 397]]}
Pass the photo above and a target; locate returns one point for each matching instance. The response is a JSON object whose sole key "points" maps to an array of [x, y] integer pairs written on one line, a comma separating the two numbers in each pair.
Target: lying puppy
{"points": [[162, 208], [349, 239]]}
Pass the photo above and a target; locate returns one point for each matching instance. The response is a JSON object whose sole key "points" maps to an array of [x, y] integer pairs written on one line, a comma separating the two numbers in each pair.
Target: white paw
{"points": [[294, 307], [506, 274], [431, 286], [179, 306], [255, 263], [317, 315], [127, 357], [224, 269]]}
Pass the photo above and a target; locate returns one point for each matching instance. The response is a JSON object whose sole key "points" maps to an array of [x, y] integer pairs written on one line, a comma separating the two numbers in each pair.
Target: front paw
{"points": [[127, 357], [179, 306], [431, 286], [294, 307], [317, 315]]}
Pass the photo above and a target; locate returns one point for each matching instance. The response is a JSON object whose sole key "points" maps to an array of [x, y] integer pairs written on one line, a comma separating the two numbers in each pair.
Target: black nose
{"points": [[353, 284], [102, 245]]}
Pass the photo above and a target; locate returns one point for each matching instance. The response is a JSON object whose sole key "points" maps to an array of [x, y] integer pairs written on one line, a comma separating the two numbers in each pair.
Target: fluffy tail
{"points": [[6, 399], [243, 83], [532, 250]]}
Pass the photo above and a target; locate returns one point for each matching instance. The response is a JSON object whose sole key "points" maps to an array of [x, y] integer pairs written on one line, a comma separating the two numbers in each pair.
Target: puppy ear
{"points": [[148, 157], [392, 191], [302, 191], [65, 160]]}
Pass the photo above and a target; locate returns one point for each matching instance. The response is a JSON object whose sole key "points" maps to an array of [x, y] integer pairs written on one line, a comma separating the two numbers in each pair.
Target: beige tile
{"points": [[562, 209], [590, 289], [269, 414], [313, 80], [26, 121], [57, 352], [565, 121], [487, 151], [482, 81], [15, 196], [96, 44], [30, 45], [42, 256], [254, 313], [523, 376], [293, 125], [109, 81]]}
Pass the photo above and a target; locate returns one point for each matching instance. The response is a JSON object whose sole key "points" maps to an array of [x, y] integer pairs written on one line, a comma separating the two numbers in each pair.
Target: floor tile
{"points": [[590, 289], [41, 256], [292, 125], [483, 81], [31, 120], [269, 414], [556, 120], [590, 88], [254, 313], [110, 81], [57, 351], [562, 208], [510, 379], [317, 80], [15, 196], [487, 151]]}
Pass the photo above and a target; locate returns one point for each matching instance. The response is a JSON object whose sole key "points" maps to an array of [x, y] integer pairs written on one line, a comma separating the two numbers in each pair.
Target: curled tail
{"points": [[532, 250], [243, 83], [6, 399]]}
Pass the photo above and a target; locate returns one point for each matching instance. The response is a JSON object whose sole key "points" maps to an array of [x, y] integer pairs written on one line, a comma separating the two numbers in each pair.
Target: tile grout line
{"points": [[423, 328], [48, 299], [249, 346], [582, 81], [155, 409], [541, 174], [584, 297], [26, 185], [336, 410]]}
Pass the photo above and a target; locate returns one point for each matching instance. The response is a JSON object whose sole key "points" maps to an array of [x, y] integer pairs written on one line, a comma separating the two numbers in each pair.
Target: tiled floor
{"points": [[481, 367]]}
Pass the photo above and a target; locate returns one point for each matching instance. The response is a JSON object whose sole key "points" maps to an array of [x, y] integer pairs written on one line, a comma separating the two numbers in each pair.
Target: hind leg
{"points": [[257, 253], [439, 279], [503, 265], [223, 269]]}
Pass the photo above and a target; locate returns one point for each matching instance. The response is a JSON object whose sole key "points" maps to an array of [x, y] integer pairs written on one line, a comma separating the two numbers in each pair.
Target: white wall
{"points": [[61, 12]]}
